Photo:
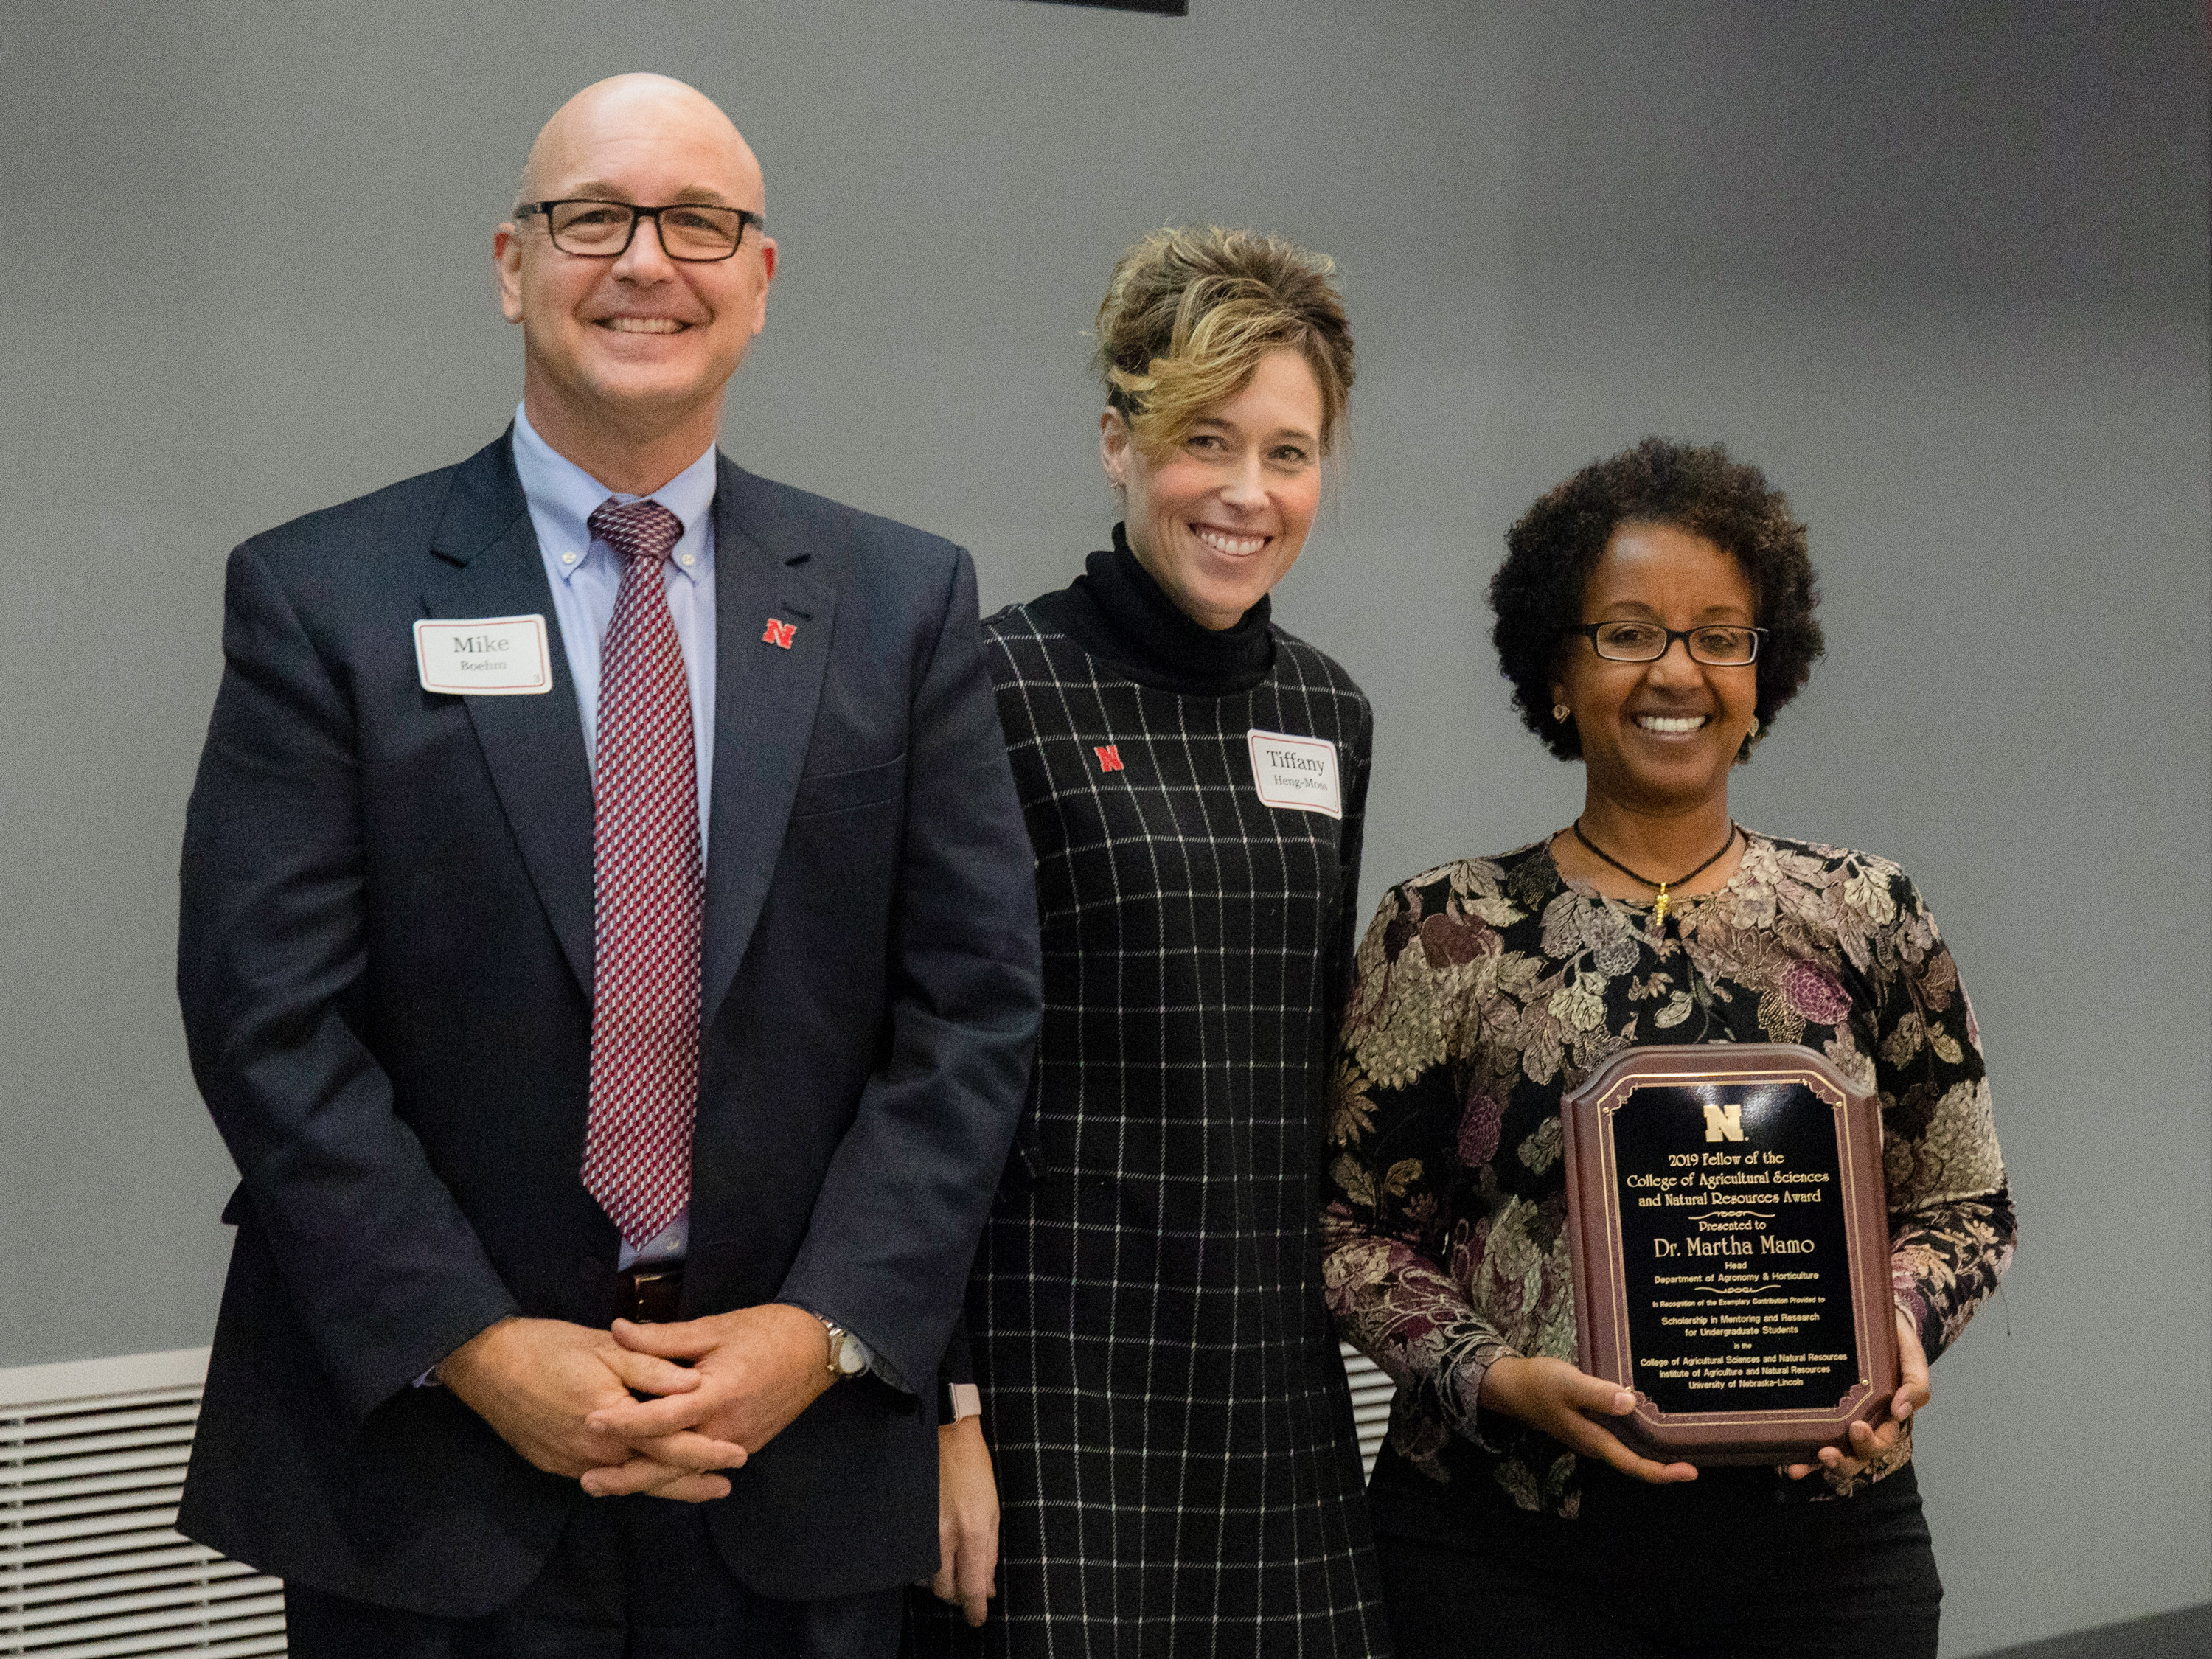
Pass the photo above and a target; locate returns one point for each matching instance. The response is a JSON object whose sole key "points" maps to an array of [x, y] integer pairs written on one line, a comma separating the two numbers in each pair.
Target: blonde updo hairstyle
{"points": [[1189, 315]]}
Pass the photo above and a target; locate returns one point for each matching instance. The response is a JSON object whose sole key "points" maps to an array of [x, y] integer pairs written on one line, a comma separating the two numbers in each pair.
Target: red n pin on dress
{"points": [[649, 895]]}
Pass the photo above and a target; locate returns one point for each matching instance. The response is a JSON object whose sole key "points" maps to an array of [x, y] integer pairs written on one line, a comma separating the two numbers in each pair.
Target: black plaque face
{"points": [[1735, 1256]]}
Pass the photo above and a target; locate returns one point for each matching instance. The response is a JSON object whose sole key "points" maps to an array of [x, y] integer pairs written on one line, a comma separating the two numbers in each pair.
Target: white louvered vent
{"points": [[92, 1459], [1371, 1403]]}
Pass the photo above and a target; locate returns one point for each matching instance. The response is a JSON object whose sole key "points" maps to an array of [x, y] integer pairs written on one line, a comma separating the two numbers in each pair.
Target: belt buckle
{"points": [[651, 1295]]}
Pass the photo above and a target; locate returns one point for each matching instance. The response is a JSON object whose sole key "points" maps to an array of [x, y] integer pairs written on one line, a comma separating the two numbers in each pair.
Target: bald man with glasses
{"points": [[608, 951]]}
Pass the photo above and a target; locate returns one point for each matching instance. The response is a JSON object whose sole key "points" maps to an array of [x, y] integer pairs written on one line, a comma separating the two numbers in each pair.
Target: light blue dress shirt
{"points": [[585, 575]]}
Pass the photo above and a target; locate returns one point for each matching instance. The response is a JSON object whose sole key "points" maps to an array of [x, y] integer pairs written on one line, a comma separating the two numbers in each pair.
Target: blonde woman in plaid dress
{"points": [[1161, 1397]]}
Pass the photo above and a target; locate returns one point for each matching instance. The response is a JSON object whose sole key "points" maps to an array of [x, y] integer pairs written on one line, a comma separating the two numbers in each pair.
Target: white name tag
{"points": [[1294, 772], [489, 657]]}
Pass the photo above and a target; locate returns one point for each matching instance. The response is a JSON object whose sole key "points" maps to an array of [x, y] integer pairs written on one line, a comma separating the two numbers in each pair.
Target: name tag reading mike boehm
{"points": [[483, 657]]}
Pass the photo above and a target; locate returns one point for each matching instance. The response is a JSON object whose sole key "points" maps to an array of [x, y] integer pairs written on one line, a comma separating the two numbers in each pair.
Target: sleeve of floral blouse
{"points": [[1951, 1226], [1392, 1116]]}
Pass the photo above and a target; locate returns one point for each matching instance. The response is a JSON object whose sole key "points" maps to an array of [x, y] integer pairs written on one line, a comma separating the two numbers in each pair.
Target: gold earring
{"points": [[1560, 712]]}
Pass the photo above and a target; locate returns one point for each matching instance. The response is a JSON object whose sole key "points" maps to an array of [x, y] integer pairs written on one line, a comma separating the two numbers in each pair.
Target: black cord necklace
{"points": [[1659, 908]]}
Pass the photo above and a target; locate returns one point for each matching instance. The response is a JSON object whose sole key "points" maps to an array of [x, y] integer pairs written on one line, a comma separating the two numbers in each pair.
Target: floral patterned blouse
{"points": [[1489, 987]]}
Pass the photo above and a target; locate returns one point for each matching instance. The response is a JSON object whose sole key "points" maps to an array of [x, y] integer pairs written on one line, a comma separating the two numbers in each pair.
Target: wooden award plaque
{"points": [[1730, 1234]]}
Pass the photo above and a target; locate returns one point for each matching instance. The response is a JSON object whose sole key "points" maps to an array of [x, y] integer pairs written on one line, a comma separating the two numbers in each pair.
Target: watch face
{"points": [[850, 1360]]}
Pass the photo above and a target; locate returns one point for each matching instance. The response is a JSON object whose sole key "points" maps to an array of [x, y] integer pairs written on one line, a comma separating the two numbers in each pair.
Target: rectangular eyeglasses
{"points": [[1717, 645], [698, 232]]}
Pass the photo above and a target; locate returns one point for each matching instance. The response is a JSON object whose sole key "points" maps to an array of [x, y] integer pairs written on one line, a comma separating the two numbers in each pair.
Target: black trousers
{"points": [[1716, 1568], [631, 1579]]}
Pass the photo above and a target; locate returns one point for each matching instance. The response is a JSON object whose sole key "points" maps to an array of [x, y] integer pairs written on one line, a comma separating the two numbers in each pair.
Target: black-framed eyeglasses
{"points": [[1717, 645], [694, 231]]}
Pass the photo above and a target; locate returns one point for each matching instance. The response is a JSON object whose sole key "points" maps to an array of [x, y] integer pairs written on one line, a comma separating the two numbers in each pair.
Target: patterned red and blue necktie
{"points": [[646, 869]]}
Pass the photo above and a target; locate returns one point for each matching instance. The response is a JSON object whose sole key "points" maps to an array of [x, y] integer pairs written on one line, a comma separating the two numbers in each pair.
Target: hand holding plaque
{"points": [[1731, 1251]]}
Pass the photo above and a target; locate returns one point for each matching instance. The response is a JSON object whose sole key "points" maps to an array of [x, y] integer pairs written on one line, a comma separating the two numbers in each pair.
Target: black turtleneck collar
{"points": [[1116, 611]]}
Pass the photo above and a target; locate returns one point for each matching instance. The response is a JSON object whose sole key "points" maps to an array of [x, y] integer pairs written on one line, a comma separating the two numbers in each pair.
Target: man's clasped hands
{"points": [[722, 1386]]}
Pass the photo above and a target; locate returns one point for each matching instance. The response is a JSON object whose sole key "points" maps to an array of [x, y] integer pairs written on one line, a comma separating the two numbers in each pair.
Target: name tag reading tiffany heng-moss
{"points": [[1299, 773], [488, 656]]}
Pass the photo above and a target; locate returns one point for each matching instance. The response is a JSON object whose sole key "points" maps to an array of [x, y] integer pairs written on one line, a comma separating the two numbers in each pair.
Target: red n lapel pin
{"points": [[1109, 757], [780, 633]]}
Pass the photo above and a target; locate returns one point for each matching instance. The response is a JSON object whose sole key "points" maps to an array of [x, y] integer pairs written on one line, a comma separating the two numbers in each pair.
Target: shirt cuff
{"points": [[877, 1364]]}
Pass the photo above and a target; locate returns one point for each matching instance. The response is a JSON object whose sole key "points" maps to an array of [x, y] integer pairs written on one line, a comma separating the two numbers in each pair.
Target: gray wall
{"points": [[1942, 271]]}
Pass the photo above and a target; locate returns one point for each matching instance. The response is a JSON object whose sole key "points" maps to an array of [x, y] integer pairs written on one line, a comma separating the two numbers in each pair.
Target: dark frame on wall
{"points": [[1161, 7]]}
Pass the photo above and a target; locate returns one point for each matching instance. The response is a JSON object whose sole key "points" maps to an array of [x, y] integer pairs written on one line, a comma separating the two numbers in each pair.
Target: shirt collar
{"points": [[564, 496]]}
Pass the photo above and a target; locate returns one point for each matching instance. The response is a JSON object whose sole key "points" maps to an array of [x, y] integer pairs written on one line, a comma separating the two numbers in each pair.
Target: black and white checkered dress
{"points": [[1163, 1391]]}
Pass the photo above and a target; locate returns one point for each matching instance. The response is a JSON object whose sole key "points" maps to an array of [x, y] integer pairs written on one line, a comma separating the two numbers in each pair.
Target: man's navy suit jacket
{"points": [[386, 970]]}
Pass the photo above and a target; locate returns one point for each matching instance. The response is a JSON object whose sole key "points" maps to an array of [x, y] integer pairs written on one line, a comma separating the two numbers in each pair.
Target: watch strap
{"points": [[957, 1401]]}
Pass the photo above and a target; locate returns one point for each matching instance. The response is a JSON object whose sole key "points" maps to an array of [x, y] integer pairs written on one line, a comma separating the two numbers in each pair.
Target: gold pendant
{"points": [[1659, 906]]}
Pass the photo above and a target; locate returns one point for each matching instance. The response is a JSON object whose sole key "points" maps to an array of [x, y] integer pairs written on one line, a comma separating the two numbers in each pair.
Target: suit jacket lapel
{"points": [[765, 695], [488, 564]]}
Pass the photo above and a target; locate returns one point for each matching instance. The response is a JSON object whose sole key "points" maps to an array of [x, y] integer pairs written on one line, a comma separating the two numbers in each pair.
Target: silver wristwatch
{"points": [[847, 1357]]}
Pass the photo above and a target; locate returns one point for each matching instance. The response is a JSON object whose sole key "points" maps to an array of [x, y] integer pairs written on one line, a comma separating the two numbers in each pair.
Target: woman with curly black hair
{"points": [[1654, 615]]}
